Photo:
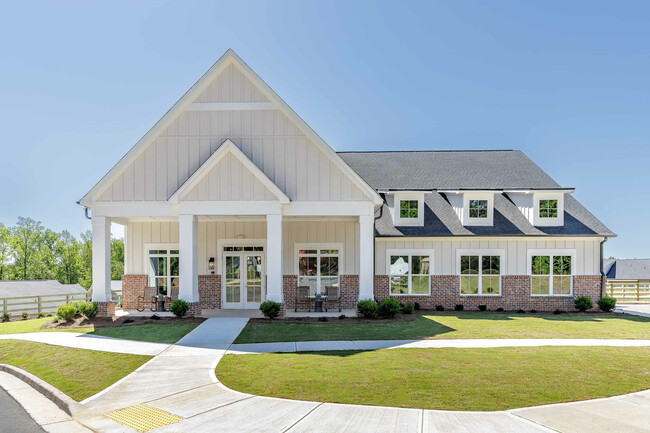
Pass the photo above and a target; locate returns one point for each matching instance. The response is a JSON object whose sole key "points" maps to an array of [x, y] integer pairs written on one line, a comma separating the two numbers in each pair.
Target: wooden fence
{"points": [[37, 304], [629, 291]]}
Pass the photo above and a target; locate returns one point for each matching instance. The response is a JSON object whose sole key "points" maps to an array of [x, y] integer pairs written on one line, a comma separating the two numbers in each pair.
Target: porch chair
{"points": [[332, 296], [302, 297], [148, 297], [172, 298]]}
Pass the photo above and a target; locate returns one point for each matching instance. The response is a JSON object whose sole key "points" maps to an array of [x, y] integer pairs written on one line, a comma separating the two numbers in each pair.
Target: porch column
{"points": [[188, 246], [101, 259], [366, 256], [274, 258]]}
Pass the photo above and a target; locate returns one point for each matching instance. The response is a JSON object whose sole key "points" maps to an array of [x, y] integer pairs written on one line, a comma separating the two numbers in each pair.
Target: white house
{"points": [[232, 199]]}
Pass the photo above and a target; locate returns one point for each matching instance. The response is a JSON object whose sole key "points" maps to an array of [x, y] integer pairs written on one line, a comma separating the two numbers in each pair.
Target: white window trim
{"points": [[469, 196], [482, 252], [222, 243], [318, 246], [161, 246], [410, 252], [548, 222], [551, 252], [419, 197]]}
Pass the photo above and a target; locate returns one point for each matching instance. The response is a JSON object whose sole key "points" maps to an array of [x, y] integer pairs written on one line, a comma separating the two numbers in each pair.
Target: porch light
{"points": [[211, 265]]}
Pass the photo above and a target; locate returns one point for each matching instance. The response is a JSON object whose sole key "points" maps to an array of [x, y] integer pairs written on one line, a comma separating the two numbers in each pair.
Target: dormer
{"points": [[474, 208], [406, 207], [542, 208]]}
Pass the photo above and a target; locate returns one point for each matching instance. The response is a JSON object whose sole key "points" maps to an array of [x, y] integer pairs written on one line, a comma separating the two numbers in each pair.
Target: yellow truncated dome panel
{"points": [[143, 418]]}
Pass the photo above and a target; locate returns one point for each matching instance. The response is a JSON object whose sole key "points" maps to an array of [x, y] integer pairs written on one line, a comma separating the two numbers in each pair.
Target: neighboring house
{"points": [[628, 280], [24, 296], [232, 199]]}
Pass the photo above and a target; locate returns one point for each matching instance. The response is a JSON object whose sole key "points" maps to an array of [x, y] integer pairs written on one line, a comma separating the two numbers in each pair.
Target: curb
{"points": [[65, 403]]}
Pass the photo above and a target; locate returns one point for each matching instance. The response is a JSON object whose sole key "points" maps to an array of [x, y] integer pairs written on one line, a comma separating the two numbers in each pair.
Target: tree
{"points": [[117, 259], [67, 251], [5, 251], [86, 260], [25, 242]]}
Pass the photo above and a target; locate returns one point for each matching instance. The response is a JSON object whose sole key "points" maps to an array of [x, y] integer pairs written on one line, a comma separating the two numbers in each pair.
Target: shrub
{"points": [[440, 308], [155, 317], [88, 309], [368, 308], [179, 307], [56, 319], [558, 311], [407, 309], [583, 303], [416, 306], [41, 315], [125, 321], [6, 317], [520, 311], [533, 311], [24, 316], [389, 308], [607, 303], [499, 309], [458, 307], [322, 319], [342, 316], [482, 307], [66, 312], [270, 309]]}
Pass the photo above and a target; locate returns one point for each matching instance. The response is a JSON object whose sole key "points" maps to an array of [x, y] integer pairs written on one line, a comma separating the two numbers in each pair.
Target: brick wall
{"points": [[349, 291], [515, 294], [210, 291], [289, 288], [105, 309], [132, 287]]}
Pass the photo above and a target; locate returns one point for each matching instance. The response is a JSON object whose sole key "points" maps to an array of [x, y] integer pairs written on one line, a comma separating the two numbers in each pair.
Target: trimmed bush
{"points": [[583, 303], [24, 316], [88, 309], [67, 312], [389, 308], [41, 315], [607, 303], [270, 309], [416, 306], [500, 309], [179, 307], [533, 311], [558, 311], [368, 308], [482, 307], [6, 317], [520, 311], [458, 307], [440, 308], [407, 309]]}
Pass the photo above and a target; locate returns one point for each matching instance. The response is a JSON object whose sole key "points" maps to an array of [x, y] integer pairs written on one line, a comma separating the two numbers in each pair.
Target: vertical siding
{"points": [[274, 143], [516, 253]]}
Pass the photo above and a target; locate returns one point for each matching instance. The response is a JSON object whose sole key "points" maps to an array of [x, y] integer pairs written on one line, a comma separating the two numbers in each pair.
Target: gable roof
{"points": [[228, 58], [227, 148], [629, 269], [16, 288]]}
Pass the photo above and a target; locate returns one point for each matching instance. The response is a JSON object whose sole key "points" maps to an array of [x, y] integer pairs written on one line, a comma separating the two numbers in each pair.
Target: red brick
{"points": [[132, 287], [210, 291], [105, 309]]}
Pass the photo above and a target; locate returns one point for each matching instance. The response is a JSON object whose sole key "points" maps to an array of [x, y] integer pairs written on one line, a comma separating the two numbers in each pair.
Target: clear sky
{"points": [[566, 82]]}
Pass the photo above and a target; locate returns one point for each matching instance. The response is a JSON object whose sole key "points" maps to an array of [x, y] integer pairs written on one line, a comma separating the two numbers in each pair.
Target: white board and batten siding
{"points": [[269, 138], [516, 252], [210, 233]]}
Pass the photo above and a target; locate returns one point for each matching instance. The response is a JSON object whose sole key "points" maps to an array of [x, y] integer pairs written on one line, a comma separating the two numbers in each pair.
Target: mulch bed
{"points": [[109, 322]]}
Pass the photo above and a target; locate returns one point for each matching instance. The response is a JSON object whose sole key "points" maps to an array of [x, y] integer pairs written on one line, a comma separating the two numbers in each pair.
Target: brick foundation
{"points": [[132, 287], [515, 294], [210, 291], [194, 310], [105, 309], [289, 289], [349, 291]]}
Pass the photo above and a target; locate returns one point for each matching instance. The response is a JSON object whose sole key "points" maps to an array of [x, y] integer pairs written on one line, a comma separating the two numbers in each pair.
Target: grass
{"points": [[77, 372], [456, 326], [449, 379], [159, 333]]}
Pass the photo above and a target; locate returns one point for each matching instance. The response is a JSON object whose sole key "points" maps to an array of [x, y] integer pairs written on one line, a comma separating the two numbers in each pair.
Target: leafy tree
{"points": [[5, 251], [85, 263], [117, 259], [67, 251], [25, 243]]}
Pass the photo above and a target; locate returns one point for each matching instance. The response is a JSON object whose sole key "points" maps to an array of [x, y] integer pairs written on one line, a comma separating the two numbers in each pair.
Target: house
{"points": [[628, 280], [37, 296], [232, 199]]}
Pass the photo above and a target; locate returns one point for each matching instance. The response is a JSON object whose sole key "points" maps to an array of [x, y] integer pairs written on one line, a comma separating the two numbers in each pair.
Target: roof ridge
{"points": [[427, 150]]}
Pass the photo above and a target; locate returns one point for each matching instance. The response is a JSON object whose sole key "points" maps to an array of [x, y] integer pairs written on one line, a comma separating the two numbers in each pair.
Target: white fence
{"points": [[37, 304], [629, 291]]}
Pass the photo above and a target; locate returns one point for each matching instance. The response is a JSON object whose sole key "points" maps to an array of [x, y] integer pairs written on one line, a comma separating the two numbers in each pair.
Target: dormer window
{"points": [[408, 209], [548, 208], [478, 208]]}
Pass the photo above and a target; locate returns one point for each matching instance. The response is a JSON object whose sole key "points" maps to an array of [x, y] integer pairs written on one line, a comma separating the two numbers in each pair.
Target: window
{"points": [[480, 272], [318, 268], [410, 272], [163, 269], [551, 274], [478, 208], [408, 209], [548, 208]]}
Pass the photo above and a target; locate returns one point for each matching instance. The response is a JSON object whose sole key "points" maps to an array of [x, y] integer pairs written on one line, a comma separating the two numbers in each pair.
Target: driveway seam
{"points": [[531, 422], [303, 417]]}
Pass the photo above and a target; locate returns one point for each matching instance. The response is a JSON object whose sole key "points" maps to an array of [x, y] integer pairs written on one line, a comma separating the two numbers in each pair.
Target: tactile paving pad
{"points": [[143, 418]]}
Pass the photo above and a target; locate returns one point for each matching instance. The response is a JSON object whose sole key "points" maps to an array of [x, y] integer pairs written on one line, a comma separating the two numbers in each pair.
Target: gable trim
{"points": [[227, 148], [186, 102]]}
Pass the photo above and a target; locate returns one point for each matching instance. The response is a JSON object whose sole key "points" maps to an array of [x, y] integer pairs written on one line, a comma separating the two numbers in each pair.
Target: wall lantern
{"points": [[211, 265]]}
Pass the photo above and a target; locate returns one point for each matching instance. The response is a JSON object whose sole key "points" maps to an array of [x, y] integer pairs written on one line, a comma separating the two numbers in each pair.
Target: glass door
{"points": [[243, 278], [253, 281], [232, 282]]}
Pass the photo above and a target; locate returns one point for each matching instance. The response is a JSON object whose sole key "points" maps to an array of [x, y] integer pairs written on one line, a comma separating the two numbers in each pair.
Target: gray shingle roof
{"points": [[440, 170], [629, 269], [15, 288]]}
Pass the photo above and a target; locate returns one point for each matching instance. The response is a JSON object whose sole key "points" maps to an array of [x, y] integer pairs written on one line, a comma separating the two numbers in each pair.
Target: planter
{"points": [[318, 306]]}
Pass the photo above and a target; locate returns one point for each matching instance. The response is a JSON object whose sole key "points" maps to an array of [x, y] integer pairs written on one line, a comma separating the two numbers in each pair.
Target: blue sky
{"points": [[566, 82]]}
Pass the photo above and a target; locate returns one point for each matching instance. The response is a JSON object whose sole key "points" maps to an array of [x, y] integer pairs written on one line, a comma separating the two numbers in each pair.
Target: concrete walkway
{"points": [[642, 310], [91, 342], [310, 346]]}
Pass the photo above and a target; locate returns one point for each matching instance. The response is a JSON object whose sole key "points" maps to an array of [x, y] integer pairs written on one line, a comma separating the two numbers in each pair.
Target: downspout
{"points": [[374, 243], [86, 209], [603, 278]]}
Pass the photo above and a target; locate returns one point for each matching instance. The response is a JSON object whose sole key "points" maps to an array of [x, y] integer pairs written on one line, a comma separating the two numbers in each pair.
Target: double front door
{"points": [[243, 276]]}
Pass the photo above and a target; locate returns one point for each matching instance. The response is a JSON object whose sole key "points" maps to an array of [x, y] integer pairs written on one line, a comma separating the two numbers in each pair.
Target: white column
{"points": [[188, 268], [366, 256], [274, 258], [101, 259]]}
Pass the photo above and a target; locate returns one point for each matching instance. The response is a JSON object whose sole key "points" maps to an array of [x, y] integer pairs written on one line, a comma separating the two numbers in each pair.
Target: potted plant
{"points": [[318, 302]]}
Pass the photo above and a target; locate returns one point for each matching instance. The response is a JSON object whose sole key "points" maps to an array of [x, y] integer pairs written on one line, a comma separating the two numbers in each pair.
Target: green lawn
{"points": [[449, 379], [77, 372], [159, 333], [455, 326]]}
